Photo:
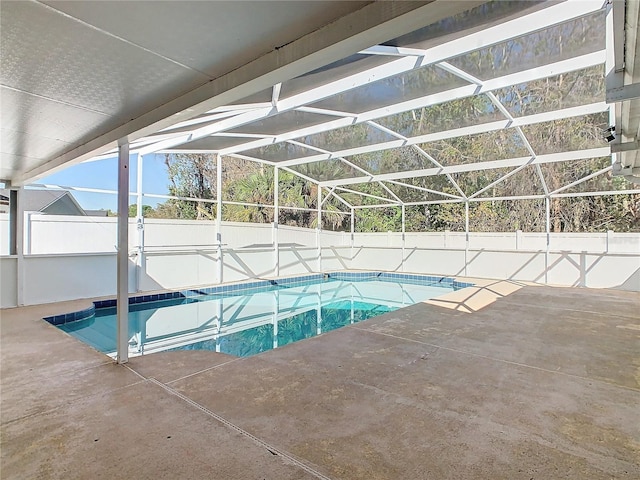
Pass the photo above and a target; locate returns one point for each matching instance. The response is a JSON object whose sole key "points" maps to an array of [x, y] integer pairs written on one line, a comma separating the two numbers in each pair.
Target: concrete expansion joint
{"points": [[270, 448], [507, 362], [134, 372], [213, 367]]}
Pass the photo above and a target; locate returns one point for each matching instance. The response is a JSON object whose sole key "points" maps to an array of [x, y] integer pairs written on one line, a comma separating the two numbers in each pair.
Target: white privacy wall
{"points": [[176, 269], [8, 281], [52, 278], [74, 257]]}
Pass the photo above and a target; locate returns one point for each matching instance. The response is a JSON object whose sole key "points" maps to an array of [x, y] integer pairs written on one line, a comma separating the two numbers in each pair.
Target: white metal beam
{"points": [[522, 25], [368, 195], [390, 192], [122, 277], [276, 215], [340, 199], [501, 179], [516, 197], [582, 180], [423, 189], [597, 194], [461, 132], [493, 164], [219, 258], [515, 27], [564, 66], [376, 22]]}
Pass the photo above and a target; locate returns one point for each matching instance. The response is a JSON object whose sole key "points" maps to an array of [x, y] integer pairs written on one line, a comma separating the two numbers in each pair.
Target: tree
{"points": [[147, 210], [248, 182]]}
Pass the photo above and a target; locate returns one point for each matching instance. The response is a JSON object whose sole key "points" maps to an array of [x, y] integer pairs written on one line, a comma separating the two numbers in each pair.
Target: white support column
{"points": [[403, 239], [319, 312], [219, 319], [353, 224], [466, 235], [13, 222], [219, 216], [352, 318], [16, 238], [319, 229], [276, 214], [27, 243], [276, 311], [614, 71], [122, 309], [140, 259], [547, 207], [518, 239]]}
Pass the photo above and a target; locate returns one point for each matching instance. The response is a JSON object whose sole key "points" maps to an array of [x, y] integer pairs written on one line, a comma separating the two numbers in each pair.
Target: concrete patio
{"points": [[505, 381]]}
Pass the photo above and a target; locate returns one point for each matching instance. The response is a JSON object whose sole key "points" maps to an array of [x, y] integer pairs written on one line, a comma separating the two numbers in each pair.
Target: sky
{"points": [[103, 174]]}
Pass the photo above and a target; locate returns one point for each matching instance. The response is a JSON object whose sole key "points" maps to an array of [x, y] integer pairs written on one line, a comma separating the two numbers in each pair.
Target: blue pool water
{"points": [[247, 321]]}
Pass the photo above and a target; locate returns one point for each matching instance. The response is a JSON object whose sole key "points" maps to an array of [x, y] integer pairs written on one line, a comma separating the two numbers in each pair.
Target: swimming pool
{"points": [[250, 318]]}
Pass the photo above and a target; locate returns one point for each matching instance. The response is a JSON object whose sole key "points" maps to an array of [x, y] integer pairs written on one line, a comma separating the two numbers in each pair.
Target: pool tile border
{"points": [[71, 317], [258, 284]]}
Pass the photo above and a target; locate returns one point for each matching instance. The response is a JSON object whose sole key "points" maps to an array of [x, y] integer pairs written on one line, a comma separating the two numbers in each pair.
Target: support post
{"points": [[276, 310], [16, 238], [319, 229], [140, 260], [614, 70], [547, 228], [219, 320], [122, 309], [219, 215], [319, 312], [518, 239], [353, 225], [547, 208], [403, 242], [13, 221], [26, 241], [276, 218], [466, 236]]}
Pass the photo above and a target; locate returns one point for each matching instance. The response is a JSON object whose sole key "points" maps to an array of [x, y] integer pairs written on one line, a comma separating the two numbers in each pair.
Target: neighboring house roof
{"points": [[96, 213], [54, 202]]}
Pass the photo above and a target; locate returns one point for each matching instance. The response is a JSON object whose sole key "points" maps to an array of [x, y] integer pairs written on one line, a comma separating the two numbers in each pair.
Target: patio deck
{"points": [[503, 381]]}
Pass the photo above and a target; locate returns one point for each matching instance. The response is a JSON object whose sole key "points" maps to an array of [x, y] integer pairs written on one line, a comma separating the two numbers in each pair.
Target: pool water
{"points": [[248, 322]]}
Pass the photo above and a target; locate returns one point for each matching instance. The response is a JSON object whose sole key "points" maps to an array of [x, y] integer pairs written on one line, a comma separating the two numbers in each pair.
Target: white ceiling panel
{"points": [[213, 37], [28, 113], [147, 64], [10, 162], [29, 145], [83, 67]]}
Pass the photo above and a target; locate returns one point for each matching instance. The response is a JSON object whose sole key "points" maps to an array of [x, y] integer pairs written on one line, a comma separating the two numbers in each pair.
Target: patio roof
{"points": [[78, 77], [337, 125], [345, 101]]}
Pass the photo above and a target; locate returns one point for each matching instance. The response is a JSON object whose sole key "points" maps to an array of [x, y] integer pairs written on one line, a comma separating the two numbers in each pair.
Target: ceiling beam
{"points": [[464, 131], [545, 71], [515, 27], [468, 167], [375, 23]]}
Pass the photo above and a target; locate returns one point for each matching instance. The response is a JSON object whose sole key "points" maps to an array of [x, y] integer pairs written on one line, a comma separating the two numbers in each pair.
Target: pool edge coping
{"points": [[136, 299]]}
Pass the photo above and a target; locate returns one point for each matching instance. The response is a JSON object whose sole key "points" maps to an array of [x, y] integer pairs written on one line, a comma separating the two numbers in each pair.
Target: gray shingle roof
{"points": [[38, 200]]}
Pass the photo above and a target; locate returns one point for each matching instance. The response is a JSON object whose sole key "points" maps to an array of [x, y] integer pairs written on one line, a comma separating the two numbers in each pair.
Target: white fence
{"points": [[49, 234], [577, 242], [74, 257]]}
